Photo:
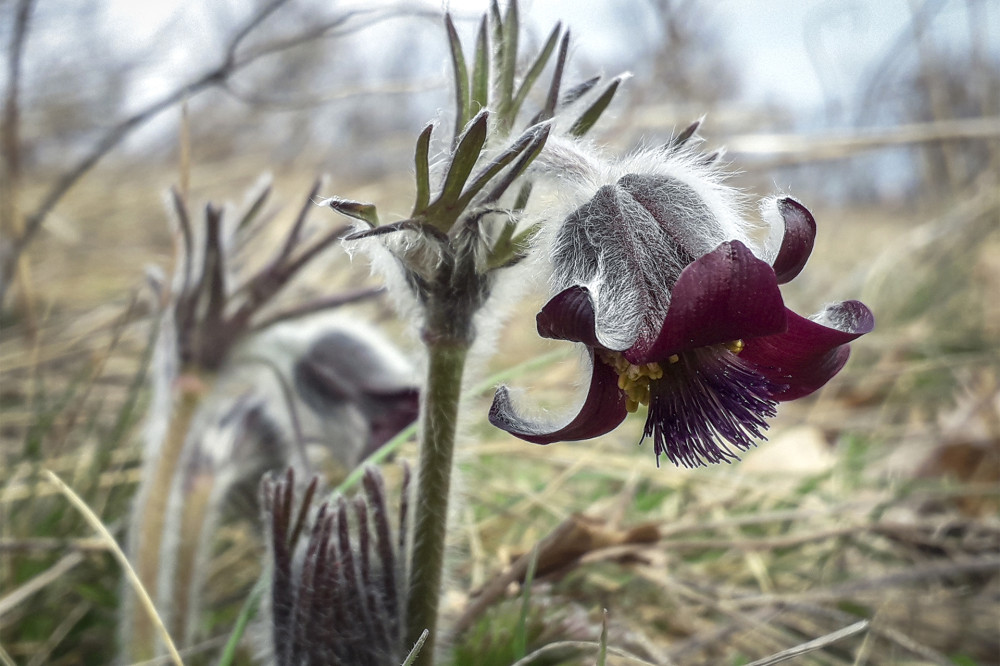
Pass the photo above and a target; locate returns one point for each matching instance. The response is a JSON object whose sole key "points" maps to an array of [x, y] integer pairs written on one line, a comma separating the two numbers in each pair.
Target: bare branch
{"points": [[796, 148], [327, 303], [11, 140], [217, 76]]}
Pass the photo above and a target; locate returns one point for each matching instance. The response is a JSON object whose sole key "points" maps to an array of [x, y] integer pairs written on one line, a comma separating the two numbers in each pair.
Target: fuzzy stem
{"points": [[439, 418], [150, 512]]}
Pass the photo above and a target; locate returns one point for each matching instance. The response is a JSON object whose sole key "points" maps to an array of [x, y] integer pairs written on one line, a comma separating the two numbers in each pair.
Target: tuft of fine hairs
{"points": [[653, 211], [336, 594]]}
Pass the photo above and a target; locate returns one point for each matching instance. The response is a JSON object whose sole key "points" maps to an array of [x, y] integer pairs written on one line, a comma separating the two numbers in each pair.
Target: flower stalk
{"points": [[439, 419]]}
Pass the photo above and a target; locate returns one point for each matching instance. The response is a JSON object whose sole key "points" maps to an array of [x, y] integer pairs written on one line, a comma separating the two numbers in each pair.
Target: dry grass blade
{"points": [[5, 658], [812, 645], [133, 578], [589, 646]]}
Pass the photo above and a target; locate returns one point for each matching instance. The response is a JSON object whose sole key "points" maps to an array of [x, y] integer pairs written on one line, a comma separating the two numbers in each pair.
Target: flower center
{"points": [[634, 379]]}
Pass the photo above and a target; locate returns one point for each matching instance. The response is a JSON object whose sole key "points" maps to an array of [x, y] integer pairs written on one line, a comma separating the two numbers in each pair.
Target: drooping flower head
{"points": [[675, 295]]}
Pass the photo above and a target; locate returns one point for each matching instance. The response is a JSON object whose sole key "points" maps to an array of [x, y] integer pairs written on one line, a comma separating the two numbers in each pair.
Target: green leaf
{"points": [[481, 69], [510, 249], [423, 168], [461, 73], [522, 196], [579, 90], [536, 70], [496, 24], [527, 157], [365, 212], [590, 116], [552, 100], [508, 61], [686, 135], [526, 142], [462, 162]]}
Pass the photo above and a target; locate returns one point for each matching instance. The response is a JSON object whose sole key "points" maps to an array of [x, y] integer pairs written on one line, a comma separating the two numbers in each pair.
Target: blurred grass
{"points": [[894, 518]]}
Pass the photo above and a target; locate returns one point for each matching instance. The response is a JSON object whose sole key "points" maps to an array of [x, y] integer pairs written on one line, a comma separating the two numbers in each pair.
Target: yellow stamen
{"points": [[633, 379], [735, 346]]}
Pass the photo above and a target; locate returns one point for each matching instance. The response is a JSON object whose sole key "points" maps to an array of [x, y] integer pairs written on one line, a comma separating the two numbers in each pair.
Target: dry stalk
{"points": [[813, 645], [133, 578]]}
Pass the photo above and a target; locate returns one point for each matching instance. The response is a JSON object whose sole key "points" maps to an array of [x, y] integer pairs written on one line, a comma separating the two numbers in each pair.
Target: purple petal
{"points": [[797, 243], [809, 353], [728, 294], [601, 412], [569, 315]]}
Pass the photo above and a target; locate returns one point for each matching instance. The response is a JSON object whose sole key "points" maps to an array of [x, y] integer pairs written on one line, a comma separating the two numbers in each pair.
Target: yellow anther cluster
{"points": [[735, 346], [634, 379]]}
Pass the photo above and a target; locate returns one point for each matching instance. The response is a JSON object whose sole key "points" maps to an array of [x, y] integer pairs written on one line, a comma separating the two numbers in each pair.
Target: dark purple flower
{"points": [[655, 276]]}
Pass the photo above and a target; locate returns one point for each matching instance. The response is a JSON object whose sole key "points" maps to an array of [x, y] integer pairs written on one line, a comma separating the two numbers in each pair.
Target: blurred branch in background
{"points": [[795, 148], [11, 222], [235, 58]]}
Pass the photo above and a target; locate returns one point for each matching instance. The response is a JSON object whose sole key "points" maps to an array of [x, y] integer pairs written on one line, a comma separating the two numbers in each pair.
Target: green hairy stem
{"points": [[439, 420]]}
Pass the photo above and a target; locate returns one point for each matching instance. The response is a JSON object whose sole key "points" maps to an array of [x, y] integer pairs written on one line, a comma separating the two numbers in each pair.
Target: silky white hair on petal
{"points": [[774, 223]]}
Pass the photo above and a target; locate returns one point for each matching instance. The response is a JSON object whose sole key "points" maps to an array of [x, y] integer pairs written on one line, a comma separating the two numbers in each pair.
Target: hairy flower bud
{"points": [[660, 275]]}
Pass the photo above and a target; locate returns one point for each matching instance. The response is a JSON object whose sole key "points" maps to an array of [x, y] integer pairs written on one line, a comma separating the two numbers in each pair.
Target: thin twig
{"points": [[327, 303], [133, 578]]}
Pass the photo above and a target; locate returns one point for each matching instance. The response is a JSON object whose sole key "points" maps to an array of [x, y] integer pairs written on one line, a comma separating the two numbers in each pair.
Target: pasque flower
{"points": [[659, 275]]}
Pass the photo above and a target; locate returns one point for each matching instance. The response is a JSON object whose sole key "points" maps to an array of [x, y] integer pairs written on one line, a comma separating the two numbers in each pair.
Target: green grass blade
{"points": [[521, 633], [375, 458], [490, 382], [247, 612]]}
